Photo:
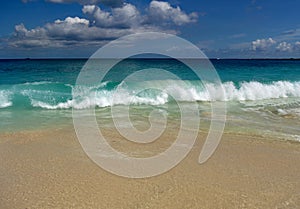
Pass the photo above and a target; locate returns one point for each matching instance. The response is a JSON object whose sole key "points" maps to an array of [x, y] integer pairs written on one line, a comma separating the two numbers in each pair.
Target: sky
{"points": [[221, 29]]}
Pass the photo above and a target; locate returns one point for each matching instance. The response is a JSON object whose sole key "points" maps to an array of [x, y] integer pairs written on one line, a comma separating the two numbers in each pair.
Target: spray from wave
{"points": [[5, 99], [59, 96]]}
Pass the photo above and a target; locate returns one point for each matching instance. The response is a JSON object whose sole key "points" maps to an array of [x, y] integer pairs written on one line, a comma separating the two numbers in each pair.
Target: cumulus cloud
{"points": [[275, 47], [70, 31], [262, 44], [162, 11], [122, 17], [284, 46], [72, 21], [158, 13], [101, 25]]}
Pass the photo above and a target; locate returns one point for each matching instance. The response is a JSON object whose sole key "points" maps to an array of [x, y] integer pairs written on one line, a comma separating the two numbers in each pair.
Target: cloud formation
{"points": [[122, 17], [284, 47], [99, 25], [162, 11], [71, 31], [271, 45], [297, 45], [276, 47], [262, 44]]}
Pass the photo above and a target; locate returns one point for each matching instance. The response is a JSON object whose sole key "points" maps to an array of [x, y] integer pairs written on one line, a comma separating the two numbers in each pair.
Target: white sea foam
{"points": [[103, 99], [36, 83], [5, 99], [245, 91], [258, 91], [101, 96]]}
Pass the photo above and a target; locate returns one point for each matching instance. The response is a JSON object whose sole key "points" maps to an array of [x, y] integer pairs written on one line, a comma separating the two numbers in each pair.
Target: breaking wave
{"points": [[49, 95], [5, 99]]}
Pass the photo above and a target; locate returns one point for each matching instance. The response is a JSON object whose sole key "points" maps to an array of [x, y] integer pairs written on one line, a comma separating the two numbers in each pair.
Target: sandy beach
{"points": [[48, 169], [157, 104]]}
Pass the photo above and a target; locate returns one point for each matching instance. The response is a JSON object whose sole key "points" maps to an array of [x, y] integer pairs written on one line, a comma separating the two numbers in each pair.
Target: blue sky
{"points": [[76, 28]]}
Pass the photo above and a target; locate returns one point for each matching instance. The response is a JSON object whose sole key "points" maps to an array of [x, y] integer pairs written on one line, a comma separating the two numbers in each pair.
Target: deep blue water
{"points": [[66, 71]]}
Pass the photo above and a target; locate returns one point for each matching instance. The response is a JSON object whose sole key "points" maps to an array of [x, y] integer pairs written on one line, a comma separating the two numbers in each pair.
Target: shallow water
{"points": [[262, 96]]}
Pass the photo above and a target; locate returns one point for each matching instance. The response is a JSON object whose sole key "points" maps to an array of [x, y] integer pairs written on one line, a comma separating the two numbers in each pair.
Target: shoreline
{"points": [[48, 169]]}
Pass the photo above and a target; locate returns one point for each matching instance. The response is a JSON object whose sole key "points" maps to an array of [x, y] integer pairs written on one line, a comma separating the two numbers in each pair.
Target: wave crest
{"points": [[5, 99], [59, 96], [258, 91]]}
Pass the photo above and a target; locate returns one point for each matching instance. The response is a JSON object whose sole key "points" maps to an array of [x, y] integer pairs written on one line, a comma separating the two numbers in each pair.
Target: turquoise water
{"points": [[262, 96]]}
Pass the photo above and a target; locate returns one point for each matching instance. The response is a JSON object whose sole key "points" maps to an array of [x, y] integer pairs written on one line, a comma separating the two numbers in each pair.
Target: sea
{"points": [[262, 96]]}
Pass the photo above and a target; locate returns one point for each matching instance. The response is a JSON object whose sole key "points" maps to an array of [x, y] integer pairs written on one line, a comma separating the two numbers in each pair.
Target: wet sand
{"points": [[48, 169]]}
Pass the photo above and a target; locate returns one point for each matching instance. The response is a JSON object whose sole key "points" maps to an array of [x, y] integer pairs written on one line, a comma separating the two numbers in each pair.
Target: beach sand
{"points": [[48, 169]]}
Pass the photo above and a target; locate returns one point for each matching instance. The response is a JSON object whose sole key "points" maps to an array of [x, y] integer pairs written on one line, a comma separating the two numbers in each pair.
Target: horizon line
{"points": [[86, 58]]}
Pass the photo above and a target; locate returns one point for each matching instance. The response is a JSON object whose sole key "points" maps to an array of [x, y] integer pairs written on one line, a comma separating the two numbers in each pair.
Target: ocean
{"points": [[262, 96]]}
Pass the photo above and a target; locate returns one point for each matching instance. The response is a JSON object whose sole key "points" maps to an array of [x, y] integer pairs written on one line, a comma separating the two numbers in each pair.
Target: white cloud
{"points": [[262, 44], [158, 13], [22, 32], [162, 11], [101, 25], [121, 17], [78, 29], [71, 21], [284, 46], [70, 31], [270, 45], [297, 45], [274, 47]]}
